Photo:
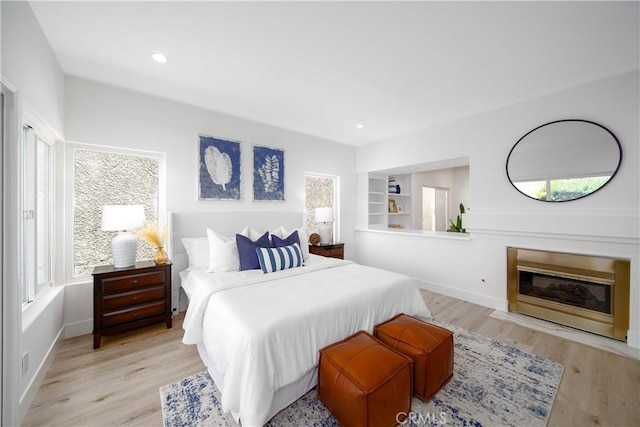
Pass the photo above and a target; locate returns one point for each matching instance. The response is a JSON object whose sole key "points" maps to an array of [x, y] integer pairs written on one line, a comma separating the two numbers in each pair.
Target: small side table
{"points": [[333, 250], [130, 298]]}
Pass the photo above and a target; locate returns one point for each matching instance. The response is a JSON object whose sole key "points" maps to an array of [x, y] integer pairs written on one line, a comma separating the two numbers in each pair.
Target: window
{"points": [[321, 191], [36, 219], [109, 176]]}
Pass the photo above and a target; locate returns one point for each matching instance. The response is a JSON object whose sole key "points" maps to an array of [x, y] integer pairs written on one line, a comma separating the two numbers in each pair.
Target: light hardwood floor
{"points": [[118, 384]]}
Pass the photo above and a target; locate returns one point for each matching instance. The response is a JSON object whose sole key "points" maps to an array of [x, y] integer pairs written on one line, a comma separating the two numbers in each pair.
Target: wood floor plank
{"points": [[115, 385], [118, 383]]}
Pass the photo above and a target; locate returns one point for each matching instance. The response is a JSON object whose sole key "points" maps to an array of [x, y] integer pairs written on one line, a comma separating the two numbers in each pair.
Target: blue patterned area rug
{"points": [[493, 384]]}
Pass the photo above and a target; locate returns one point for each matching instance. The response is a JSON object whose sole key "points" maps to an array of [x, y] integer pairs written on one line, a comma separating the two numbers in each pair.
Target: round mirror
{"points": [[564, 160]]}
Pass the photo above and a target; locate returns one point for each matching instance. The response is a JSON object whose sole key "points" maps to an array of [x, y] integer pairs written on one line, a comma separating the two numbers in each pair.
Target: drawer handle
{"points": [[135, 314], [135, 298], [135, 281]]}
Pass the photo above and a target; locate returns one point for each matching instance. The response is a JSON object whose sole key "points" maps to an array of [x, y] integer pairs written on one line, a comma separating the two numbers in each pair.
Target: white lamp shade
{"points": [[323, 214], [122, 217]]}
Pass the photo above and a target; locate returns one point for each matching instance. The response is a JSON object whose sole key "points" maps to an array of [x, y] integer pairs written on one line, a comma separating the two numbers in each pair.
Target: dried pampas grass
{"points": [[153, 234]]}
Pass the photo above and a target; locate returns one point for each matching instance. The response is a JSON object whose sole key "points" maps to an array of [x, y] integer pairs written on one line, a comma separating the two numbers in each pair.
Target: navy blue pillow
{"points": [[247, 250], [278, 242]]}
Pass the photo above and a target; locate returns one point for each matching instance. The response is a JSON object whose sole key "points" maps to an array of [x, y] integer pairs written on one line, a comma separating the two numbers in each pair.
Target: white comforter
{"points": [[265, 331]]}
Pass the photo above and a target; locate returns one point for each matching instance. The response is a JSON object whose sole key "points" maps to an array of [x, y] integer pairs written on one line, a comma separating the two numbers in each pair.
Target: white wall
{"points": [[107, 115], [42, 329], [29, 64], [605, 223]]}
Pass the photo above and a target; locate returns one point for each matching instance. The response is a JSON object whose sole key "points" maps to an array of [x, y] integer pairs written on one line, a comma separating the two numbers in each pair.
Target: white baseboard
{"points": [[76, 329], [483, 300], [36, 381]]}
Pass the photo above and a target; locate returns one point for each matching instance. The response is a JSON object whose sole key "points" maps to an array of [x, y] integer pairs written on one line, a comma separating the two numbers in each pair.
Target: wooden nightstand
{"points": [[335, 250], [130, 298]]}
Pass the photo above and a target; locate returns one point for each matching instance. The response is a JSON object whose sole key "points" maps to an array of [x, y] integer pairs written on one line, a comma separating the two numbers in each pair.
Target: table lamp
{"points": [[325, 216], [123, 218]]}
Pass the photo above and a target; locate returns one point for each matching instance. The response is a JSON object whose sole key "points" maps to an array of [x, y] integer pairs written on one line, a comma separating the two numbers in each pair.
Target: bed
{"points": [[259, 334]]}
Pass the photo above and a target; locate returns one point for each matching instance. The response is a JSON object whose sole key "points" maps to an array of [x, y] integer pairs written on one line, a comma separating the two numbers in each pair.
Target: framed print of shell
{"points": [[219, 169], [268, 174]]}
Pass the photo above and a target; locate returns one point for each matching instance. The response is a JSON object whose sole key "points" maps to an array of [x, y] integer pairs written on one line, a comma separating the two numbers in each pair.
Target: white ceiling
{"points": [[320, 68]]}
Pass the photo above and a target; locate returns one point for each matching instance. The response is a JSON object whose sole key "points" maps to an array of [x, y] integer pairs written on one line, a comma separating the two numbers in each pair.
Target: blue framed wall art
{"points": [[268, 174], [219, 174]]}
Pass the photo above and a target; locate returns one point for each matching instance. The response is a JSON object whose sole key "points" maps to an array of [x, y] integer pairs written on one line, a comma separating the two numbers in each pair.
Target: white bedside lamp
{"points": [[325, 216], [123, 218]]}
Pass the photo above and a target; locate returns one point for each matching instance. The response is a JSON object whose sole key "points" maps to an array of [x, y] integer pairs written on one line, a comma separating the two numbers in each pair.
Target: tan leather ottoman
{"points": [[429, 346], [365, 383]]}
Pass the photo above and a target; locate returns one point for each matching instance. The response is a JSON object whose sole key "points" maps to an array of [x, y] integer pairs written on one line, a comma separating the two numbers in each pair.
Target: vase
{"points": [[160, 256]]}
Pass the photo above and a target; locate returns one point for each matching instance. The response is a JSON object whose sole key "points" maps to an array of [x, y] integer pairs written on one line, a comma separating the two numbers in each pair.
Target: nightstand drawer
{"points": [[128, 299], [334, 253], [127, 283], [132, 314], [334, 250]]}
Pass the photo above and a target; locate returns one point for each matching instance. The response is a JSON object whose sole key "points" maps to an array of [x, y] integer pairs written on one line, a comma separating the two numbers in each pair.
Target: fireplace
{"points": [[586, 292]]}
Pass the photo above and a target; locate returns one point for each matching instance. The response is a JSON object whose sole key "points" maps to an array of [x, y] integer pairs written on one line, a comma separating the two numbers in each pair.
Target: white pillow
{"points": [[302, 234], [223, 251], [197, 251], [250, 233], [277, 232]]}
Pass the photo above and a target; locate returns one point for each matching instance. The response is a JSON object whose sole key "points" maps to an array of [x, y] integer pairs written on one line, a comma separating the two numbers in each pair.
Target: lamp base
{"points": [[324, 231], [123, 249]]}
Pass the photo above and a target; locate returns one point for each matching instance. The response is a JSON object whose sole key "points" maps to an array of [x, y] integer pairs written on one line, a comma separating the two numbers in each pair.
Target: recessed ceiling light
{"points": [[359, 125], [158, 57]]}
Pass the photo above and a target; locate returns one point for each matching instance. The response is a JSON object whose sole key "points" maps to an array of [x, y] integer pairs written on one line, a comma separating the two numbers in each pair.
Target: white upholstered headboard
{"points": [[195, 224]]}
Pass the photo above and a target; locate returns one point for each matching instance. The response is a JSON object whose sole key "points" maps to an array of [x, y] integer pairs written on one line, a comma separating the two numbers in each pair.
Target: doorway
{"points": [[435, 208]]}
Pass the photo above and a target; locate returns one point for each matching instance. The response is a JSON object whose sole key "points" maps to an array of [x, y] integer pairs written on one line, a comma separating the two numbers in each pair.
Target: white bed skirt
{"points": [[282, 398]]}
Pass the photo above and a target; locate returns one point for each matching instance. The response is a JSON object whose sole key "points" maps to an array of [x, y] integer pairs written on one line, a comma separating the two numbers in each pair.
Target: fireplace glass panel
{"points": [[578, 293]]}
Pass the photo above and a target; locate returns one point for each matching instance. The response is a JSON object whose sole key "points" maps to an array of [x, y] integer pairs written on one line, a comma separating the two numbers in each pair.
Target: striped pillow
{"points": [[283, 257]]}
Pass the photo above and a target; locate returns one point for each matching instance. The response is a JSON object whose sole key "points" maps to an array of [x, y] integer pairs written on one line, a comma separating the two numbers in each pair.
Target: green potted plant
{"points": [[457, 226]]}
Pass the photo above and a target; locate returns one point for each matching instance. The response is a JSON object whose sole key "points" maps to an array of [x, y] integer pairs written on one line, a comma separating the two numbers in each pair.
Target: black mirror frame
{"points": [[615, 138]]}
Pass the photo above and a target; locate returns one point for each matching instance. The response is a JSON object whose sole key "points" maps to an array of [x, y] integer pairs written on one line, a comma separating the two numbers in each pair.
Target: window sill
{"points": [[418, 233], [32, 310]]}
